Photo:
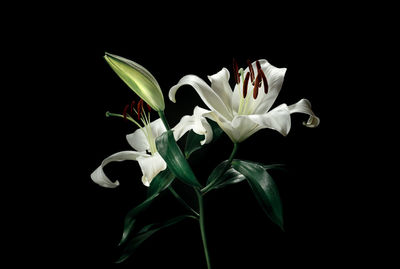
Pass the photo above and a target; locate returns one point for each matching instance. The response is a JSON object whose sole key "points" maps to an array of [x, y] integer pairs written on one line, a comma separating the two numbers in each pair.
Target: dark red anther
{"points": [[264, 80], [139, 108], [236, 71], [258, 66], [148, 107], [256, 86], [125, 111], [251, 70], [132, 104], [245, 83]]}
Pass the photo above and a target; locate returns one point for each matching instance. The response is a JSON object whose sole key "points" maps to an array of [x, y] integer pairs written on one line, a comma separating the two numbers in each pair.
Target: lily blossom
{"points": [[246, 109], [143, 143]]}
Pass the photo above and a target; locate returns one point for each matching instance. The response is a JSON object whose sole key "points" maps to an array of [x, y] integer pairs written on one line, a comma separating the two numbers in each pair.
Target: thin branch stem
{"points": [[164, 120], [202, 230]]}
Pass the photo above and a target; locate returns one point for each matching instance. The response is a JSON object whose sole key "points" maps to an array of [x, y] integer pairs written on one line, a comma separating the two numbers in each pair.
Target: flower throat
{"points": [[242, 81]]}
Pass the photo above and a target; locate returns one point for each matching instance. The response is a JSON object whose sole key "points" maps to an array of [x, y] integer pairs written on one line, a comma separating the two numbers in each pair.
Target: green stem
{"points": [[235, 148], [176, 195], [211, 186], [202, 230], [164, 120]]}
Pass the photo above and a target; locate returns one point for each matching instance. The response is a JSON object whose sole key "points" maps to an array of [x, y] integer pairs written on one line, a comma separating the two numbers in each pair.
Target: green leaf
{"points": [[161, 182], [192, 143], [145, 233], [231, 176], [217, 131], [215, 177], [193, 140], [263, 187], [222, 176], [274, 166], [173, 156], [158, 184]]}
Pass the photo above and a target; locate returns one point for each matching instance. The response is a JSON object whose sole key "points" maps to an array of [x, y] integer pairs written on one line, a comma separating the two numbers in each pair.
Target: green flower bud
{"points": [[139, 79]]}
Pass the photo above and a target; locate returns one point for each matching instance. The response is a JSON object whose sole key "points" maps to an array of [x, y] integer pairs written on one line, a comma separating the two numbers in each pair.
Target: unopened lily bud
{"points": [[139, 79]]}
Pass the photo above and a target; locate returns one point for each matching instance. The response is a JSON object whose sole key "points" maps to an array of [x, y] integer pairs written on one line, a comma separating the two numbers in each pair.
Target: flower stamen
{"points": [[139, 108], [236, 71], [245, 83], [132, 104], [125, 111], [256, 86], [263, 77], [258, 66], [251, 71]]}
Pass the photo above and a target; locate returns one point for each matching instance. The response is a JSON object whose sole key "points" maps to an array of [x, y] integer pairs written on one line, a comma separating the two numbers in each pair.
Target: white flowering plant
{"points": [[239, 113]]}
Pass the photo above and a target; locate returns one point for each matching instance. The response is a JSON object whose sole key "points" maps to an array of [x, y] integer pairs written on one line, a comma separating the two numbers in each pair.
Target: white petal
{"points": [[151, 166], [275, 78], [236, 96], [225, 125], [277, 119], [264, 101], [206, 93], [304, 106], [99, 177], [157, 127], [197, 123], [138, 139], [242, 127], [220, 84]]}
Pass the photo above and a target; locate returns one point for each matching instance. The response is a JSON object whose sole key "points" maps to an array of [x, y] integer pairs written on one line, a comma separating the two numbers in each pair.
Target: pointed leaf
{"points": [[162, 181], [222, 176], [193, 140], [145, 233], [230, 177], [158, 184], [217, 131], [173, 156], [274, 166], [215, 177], [263, 187], [218, 172], [192, 143]]}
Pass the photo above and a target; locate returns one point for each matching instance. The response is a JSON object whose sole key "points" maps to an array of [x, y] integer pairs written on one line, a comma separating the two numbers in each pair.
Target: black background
{"points": [[67, 219]]}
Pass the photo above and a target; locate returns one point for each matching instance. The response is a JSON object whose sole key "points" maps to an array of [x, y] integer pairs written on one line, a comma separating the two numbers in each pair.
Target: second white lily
{"points": [[246, 110], [143, 141]]}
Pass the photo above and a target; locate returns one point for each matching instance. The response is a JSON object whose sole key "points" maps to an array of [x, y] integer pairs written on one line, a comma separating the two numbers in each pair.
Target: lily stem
{"points": [[164, 120], [176, 195], [202, 230], [235, 148]]}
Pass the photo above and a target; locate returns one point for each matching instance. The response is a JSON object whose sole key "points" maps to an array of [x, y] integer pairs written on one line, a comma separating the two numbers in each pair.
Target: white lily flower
{"points": [[246, 110], [143, 141]]}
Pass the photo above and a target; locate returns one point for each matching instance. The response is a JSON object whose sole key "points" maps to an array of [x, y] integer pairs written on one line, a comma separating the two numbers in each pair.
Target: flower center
{"points": [[143, 117], [256, 82]]}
